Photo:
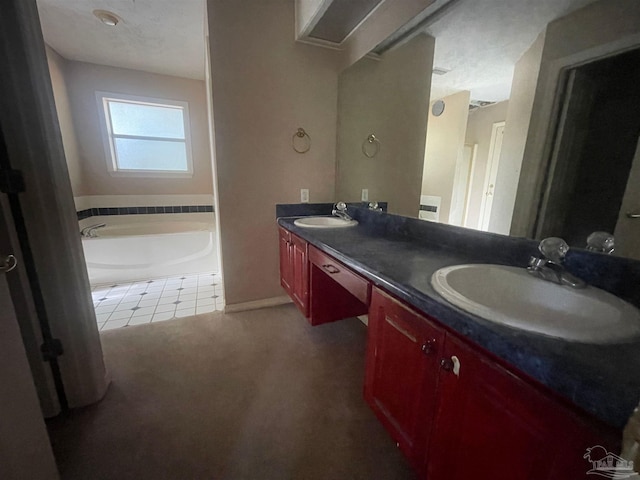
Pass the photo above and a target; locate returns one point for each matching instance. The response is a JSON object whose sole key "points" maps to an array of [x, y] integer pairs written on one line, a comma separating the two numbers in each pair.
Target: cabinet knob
{"points": [[451, 365], [428, 347]]}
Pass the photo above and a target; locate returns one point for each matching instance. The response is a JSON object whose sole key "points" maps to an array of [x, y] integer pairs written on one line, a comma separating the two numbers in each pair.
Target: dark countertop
{"points": [[598, 378]]}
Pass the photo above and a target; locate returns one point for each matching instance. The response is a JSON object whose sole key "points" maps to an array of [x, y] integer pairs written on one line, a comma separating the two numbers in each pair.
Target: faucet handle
{"points": [[340, 206], [554, 248], [601, 242]]}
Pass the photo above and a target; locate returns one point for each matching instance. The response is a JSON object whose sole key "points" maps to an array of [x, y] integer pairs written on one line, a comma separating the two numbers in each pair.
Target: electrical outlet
{"points": [[304, 195], [365, 194]]}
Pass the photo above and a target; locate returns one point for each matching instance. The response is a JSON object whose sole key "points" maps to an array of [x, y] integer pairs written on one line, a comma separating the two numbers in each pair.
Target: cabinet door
{"points": [[286, 264], [402, 372], [300, 269], [492, 424]]}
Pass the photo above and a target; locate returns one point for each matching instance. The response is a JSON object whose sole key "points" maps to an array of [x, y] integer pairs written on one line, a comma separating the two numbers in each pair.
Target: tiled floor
{"points": [[123, 304]]}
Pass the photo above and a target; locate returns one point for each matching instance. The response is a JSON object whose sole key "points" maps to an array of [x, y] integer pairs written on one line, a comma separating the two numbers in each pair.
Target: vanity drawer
{"points": [[356, 285]]}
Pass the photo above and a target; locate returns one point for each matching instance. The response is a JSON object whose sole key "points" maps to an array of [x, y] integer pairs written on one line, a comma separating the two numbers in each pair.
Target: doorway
{"points": [[590, 184], [135, 129]]}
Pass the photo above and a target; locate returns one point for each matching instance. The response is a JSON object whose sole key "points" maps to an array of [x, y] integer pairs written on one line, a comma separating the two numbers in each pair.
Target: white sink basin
{"points": [[511, 296], [324, 222]]}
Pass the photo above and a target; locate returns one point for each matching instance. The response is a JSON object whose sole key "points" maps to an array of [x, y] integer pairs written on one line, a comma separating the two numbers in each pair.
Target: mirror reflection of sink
{"points": [[512, 297], [324, 222]]}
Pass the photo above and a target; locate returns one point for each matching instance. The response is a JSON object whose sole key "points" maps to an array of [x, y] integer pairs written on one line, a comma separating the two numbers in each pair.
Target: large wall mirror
{"points": [[518, 118]]}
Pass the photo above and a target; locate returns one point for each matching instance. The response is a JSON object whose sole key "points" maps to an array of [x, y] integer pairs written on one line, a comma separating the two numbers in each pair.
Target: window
{"points": [[146, 136]]}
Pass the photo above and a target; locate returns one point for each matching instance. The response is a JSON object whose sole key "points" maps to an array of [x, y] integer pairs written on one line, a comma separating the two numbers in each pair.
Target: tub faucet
{"points": [[90, 232], [340, 211], [550, 266]]}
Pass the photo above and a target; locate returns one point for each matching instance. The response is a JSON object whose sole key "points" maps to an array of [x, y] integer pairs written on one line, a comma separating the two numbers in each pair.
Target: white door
{"points": [[495, 147], [627, 232], [461, 185], [25, 451]]}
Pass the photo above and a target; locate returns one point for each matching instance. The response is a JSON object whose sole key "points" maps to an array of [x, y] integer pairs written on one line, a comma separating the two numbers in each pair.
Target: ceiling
{"points": [[160, 36], [479, 41]]}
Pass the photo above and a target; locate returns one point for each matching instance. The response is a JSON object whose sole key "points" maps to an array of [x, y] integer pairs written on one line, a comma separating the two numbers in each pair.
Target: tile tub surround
{"points": [[156, 300], [94, 212], [400, 254]]}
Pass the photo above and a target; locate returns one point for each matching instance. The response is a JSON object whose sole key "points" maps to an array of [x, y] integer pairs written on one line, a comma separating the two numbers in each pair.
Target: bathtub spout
{"points": [[90, 232]]}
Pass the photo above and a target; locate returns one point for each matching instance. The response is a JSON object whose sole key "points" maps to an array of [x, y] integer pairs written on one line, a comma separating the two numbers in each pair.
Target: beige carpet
{"points": [[251, 395]]}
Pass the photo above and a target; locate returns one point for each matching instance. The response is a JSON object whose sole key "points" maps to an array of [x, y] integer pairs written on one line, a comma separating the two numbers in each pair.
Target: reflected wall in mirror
{"points": [[501, 157], [380, 97]]}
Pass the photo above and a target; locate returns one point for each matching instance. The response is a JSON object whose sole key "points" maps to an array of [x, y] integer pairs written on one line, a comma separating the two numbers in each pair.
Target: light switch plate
{"points": [[304, 195], [365, 194]]}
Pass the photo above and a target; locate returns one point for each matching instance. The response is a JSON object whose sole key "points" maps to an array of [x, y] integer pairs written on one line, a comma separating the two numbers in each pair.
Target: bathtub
{"points": [[140, 247]]}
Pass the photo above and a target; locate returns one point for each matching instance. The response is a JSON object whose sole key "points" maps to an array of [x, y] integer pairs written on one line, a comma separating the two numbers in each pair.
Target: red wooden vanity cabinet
{"points": [[403, 365], [294, 269], [322, 288], [457, 413], [455, 410]]}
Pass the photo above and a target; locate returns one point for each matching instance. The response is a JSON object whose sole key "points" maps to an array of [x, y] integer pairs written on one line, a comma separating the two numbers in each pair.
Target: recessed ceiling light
{"points": [[107, 18]]}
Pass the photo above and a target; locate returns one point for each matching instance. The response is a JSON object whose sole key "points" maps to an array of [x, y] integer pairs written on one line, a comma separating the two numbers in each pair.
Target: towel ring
{"points": [[372, 151], [302, 135]]}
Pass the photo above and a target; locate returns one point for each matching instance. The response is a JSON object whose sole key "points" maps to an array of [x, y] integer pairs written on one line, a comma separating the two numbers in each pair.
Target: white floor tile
{"points": [[188, 304], [114, 324], [164, 300], [105, 309], [131, 299], [201, 302], [169, 307], [148, 303], [188, 297], [125, 306], [114, 302], [205, 289], [144, 311], [140, 320], [120, 315], [150, 296], [162, 316], [110, 301]]}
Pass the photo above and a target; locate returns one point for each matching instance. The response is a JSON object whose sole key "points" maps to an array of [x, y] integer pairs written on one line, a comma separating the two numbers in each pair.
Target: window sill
{"points": [[150, 174]]}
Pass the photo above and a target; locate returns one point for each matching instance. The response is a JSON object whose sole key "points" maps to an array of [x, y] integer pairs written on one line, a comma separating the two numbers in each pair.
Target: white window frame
{"points": [[107, 136]]}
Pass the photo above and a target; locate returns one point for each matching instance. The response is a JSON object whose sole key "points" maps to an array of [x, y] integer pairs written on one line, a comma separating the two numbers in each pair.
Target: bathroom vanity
{"points": [[463, 398]]}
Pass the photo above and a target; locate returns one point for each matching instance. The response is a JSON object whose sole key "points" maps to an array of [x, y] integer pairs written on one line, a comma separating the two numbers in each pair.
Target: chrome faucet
{"points": [[340, 211], [601, 242], [550, 265], [375, 207], [90, 232]]}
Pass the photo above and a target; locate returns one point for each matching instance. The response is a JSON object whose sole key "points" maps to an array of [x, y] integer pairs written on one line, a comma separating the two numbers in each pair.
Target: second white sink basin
{"points": [[324, 222], [511, 296]]}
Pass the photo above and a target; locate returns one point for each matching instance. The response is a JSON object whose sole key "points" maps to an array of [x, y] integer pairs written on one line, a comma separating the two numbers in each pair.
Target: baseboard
{"points": [[256, 304]]}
